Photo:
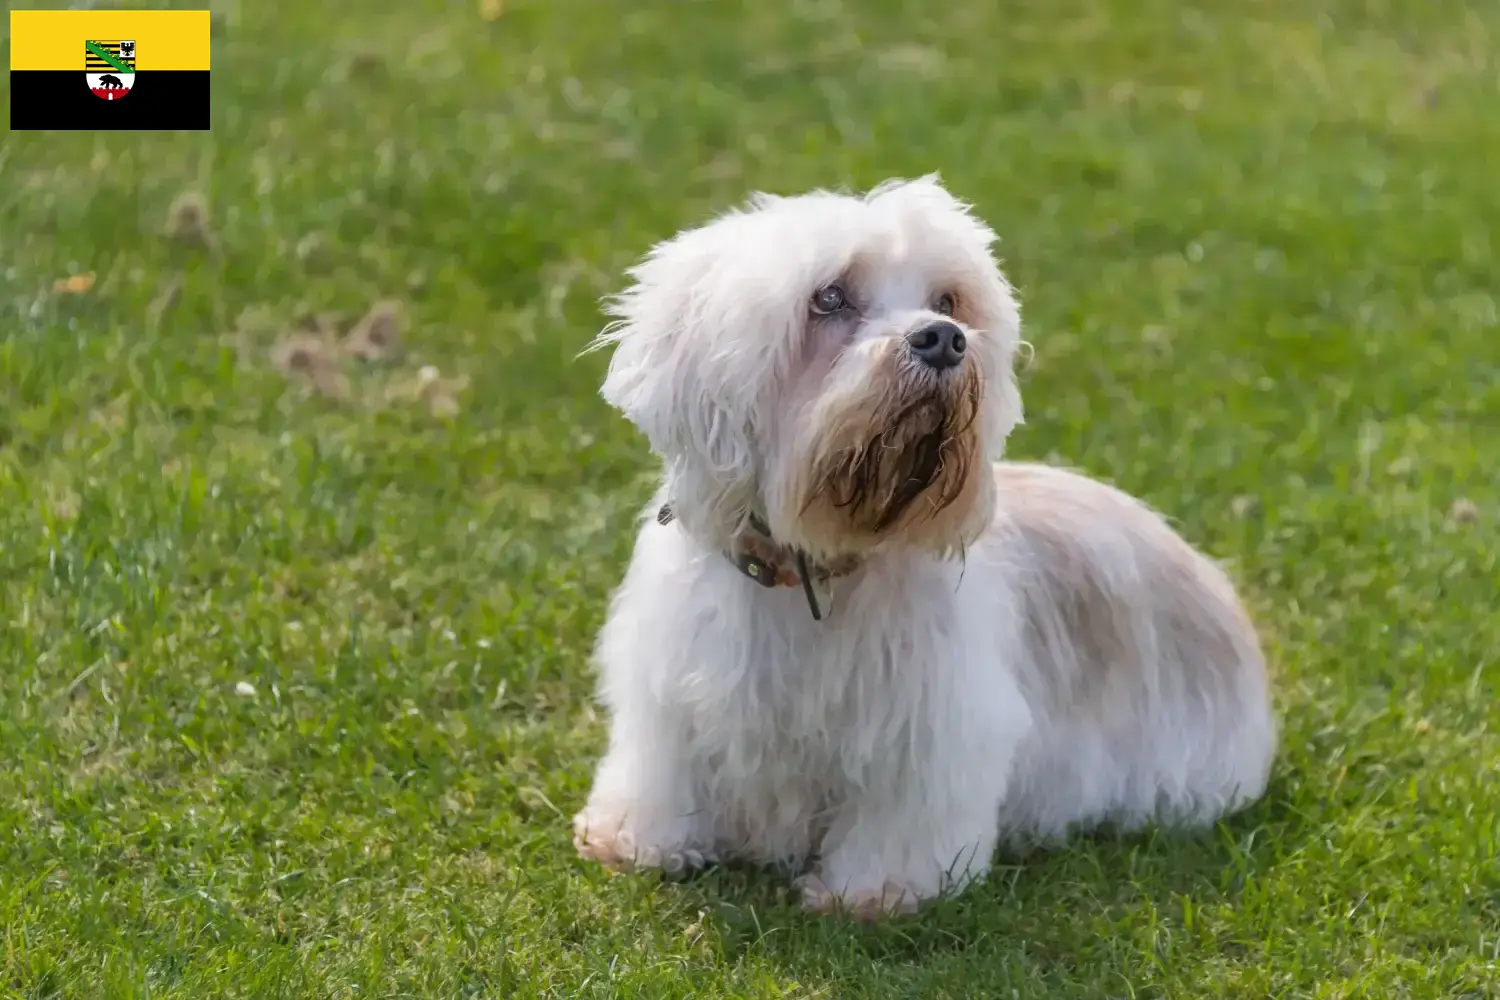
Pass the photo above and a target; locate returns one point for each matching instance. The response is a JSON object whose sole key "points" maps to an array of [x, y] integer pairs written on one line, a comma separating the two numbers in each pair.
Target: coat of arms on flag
{"points": [[110, 68]]}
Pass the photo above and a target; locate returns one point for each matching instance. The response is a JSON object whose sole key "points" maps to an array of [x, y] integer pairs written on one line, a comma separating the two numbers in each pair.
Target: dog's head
{"points": [[842, 366]]}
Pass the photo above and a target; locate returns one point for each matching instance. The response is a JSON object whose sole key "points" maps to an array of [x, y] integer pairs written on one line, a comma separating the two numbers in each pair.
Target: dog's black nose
{"points": [[939, 344]]}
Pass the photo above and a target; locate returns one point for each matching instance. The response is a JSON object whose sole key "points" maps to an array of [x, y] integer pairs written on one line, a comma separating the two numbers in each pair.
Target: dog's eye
{"points": [[829, 299], [945, 304]]}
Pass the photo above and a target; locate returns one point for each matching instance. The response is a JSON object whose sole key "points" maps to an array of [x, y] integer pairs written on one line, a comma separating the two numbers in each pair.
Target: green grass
{"points": [[1256, 244]]}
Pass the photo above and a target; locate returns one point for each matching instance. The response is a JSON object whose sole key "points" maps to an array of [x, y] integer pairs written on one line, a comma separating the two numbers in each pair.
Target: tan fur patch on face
{"points": [[903, 462]]}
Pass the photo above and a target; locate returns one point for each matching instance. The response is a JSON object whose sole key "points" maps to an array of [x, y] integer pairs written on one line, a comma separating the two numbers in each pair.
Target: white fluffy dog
{"points": [[845, 636]]}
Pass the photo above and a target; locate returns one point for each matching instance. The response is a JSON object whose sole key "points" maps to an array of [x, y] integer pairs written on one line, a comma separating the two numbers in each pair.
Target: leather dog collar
{"points": [[771, 564]]}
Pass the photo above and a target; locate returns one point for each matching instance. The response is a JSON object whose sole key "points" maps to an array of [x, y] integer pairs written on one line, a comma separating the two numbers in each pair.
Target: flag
{"points": [[109, 69]]}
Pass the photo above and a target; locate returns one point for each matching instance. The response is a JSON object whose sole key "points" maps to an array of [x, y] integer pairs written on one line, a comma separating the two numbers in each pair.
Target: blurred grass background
{"points": [[294, 691]]}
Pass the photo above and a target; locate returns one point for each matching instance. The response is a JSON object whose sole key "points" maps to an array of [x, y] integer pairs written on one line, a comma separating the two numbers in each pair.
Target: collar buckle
{"points": [[756, 569]]}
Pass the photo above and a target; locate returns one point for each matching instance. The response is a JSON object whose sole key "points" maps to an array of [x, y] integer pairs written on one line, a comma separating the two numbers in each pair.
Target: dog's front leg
{"points": [[642, 812], [890, 854], [924, 819]]}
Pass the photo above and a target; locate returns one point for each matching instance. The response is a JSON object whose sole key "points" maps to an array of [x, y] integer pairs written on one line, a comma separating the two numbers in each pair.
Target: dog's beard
{"points": [[896, 457], [917, 451]]}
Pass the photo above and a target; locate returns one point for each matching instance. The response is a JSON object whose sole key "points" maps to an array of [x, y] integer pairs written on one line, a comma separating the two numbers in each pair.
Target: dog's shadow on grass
{"points": [[1048, 898]]}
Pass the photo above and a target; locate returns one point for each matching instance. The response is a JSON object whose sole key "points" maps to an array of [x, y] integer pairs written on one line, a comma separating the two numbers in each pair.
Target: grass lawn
{"points": [[294, 686]]}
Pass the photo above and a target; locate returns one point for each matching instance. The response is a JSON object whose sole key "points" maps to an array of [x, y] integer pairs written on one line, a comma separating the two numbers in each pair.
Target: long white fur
{"points": [[1043, 655]]}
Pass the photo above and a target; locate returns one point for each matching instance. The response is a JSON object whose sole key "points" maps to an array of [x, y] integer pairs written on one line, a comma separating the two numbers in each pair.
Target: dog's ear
{"points": [[998, 315], [672, 375]]}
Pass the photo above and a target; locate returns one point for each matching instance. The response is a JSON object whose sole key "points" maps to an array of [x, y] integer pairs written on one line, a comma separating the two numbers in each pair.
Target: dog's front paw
{"points": [[610, 841], [865, 905]]}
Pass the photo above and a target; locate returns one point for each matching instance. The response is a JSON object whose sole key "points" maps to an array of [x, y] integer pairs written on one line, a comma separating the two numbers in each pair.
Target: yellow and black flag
{"points": [[109, 69]]}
